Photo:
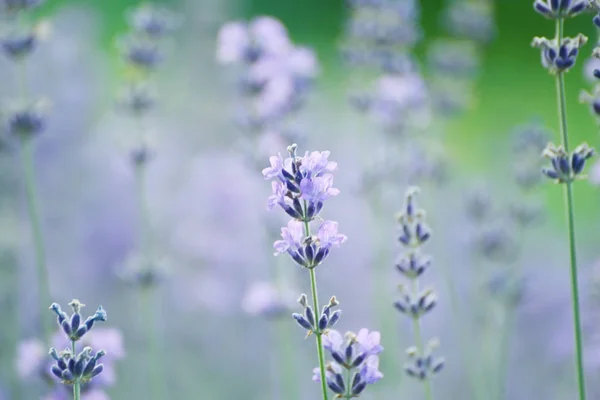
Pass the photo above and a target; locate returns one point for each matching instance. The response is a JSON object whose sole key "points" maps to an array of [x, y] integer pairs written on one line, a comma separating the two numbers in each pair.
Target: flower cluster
{"points": [[380, 36], [557, 9], [308, 321], [423, 365], [558, 58], [471, 20], [72, 367], [414, 302], [142, 50], [453, 61], [32, 361], [19, 38], [276, 74], [379, 33], [566, 167], [355, 362]]}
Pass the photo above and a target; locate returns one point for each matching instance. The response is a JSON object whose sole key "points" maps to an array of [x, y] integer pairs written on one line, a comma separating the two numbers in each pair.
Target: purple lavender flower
{"points": [[32, 361], [292, 236], [369, 342], [301, 178], [357, 355], [370, 370], [246, 42], [265, 299], [71, 367]]}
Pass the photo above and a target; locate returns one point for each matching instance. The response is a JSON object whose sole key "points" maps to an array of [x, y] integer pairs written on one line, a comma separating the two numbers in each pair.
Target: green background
{"points": [[512, 89]]}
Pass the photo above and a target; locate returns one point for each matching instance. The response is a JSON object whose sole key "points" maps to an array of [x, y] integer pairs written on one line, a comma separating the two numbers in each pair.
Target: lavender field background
{"points": [[160, 214]]}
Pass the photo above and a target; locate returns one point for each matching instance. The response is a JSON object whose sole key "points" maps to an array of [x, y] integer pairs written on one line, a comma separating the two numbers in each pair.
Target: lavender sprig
{"points": [[558, 56], [416, 302], [74, 368], [301, 186]]}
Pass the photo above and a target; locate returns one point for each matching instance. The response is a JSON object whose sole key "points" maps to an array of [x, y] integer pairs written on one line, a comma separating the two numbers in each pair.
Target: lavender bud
{"points": [[310, 316], [334, 386], [335, 317], [302, 321]]}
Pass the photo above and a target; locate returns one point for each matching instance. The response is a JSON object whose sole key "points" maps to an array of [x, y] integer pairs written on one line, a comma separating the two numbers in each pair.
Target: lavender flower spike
{"points": [[415, 303], [71, 367], [301, 187]]}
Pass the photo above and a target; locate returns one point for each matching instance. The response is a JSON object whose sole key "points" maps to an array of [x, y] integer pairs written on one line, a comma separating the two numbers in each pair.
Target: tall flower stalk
{"points": [[558, 56], [142, 52], [26, 119], [416, 302], [301, 186]]}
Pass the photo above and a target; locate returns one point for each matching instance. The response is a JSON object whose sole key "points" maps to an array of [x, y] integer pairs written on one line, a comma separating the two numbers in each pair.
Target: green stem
{"points": [[27, 158], [348, 394], [568, 194], [508, 326], [383, 299], [419, 342], [313, 287], [473, 374], [315, 300], [76, 385], [155, 386]]}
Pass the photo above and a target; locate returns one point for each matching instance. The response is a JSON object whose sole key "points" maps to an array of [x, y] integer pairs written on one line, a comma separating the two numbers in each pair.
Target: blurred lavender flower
{"points": [[355, 362], [266, 300], [274, 79], [240, 42], [414, 302], [453, 61], [19, 5], [471, 20], [153, 21]]}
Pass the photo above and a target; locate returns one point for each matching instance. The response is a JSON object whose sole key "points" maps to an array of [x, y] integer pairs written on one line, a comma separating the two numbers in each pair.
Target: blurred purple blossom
{"points": [[267, 300], [245, 42]]}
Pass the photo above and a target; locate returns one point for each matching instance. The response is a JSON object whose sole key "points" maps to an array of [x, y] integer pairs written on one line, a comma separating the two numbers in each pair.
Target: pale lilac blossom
{"points": [[292, 235], [369, 342], [328, 235]]}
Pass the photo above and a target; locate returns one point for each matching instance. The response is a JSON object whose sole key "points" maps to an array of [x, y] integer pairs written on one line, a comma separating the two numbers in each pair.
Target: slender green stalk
{"points": [[76, 385], [568, 194], [348, 394], [382, 299], [313, 287], [27, 158], [315, 299], [148, 294], [473, 374], [155, 386], [508, 326], [27, 165], [419, 343]]}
